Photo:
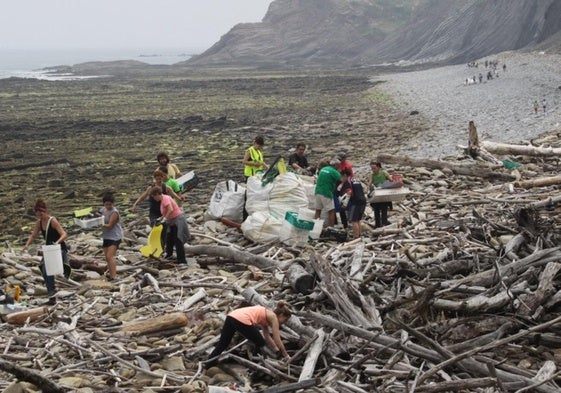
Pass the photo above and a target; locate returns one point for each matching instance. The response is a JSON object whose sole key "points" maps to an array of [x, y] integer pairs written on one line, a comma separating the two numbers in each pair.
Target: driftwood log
{"points": [[465, 170]]}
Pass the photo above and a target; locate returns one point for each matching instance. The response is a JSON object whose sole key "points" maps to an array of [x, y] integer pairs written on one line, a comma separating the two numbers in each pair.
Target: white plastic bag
{"points": [[227, 201]]}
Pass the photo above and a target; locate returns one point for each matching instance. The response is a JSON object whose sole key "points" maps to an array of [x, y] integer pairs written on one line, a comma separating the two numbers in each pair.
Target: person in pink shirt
{"points": [[177, 229], [246, 320]]}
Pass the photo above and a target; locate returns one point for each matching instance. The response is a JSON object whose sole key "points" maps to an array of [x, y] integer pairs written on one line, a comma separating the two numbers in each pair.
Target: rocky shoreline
{"points": [[431, 302], [502, 108]]}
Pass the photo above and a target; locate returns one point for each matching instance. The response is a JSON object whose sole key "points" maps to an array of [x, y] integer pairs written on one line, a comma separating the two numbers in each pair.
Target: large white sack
{"points": [[227, 201], [261, 227], [285, 193]]}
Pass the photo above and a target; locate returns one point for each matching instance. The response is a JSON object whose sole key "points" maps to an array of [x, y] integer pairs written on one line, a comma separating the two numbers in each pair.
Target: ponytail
{"points": [[282, 309]]}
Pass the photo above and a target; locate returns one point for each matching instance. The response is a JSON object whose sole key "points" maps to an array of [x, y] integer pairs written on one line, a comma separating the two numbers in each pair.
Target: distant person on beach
{"points": [[172, 169], [112, 233], [544, 105], [504, 67], [253, 160], [299, 162], [53, 233], [480, 77], [536, 107]]}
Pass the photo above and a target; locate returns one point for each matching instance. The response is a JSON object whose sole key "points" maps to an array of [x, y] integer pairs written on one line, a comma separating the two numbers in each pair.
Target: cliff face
{"points": [[344, 33]]}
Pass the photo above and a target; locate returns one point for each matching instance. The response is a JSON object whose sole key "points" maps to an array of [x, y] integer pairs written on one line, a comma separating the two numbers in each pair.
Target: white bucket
{"points": [[53, 259], [316, 232]]}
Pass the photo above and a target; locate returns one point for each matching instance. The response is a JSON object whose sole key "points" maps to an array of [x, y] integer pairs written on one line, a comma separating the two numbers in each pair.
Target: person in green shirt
{"points": [[172, 183], [377, 177], [328, 178]]}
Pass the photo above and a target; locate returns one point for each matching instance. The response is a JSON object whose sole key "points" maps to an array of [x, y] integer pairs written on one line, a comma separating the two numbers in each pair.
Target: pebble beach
{"points": [[502, 108]]}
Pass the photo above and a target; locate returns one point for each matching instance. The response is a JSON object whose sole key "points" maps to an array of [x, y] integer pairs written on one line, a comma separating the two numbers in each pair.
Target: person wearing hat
{"points": [[345, 164], [326, 183]]}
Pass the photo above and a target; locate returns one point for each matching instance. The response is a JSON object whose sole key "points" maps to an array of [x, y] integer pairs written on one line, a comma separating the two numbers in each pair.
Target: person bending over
{"points": [[246, 320]]}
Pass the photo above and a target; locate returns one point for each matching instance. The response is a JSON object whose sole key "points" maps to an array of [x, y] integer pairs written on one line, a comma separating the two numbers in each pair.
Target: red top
{"points": [[346, 165]]}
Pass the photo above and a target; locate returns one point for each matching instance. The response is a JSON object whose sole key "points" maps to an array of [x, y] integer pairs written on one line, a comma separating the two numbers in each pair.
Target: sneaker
{"points": [[51, 301]]}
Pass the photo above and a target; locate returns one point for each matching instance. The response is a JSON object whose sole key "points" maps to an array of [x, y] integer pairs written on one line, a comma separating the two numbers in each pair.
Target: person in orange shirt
{"points": [[245, 320]]}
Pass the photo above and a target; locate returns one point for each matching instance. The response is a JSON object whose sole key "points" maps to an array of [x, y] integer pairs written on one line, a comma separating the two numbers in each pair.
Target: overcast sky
{"points": [[189, 24]]}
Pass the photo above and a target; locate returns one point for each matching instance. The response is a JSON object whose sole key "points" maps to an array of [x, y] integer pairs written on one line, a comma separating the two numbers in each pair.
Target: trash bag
{"points": [[227, 201]]}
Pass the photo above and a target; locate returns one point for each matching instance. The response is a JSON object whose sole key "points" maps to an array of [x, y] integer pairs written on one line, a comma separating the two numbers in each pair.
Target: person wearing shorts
{"points": [[357, 201], [112, 233], [327, 181]]}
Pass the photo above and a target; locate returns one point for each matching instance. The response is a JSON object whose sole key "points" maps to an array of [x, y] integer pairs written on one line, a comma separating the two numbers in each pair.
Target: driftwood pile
{"points": [[460, 293]]}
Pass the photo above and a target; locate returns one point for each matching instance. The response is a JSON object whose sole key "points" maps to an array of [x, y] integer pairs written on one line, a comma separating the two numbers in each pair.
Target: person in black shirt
{"points": [[352, 187], [299, 162]]}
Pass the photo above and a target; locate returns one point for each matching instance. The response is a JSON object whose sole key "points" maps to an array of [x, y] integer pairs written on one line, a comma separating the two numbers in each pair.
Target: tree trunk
{"points": [[300, 280], [539, 182], [163, 322], [19, 318], [472, 170], [520, 150]]}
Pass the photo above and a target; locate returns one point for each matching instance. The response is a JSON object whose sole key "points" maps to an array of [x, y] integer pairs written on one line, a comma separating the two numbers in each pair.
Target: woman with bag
{"points": [[53, 233]]}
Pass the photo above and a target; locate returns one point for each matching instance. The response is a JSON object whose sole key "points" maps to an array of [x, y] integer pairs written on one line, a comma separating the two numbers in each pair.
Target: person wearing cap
{"points": [[172, 169], [253, 158], [345, 164], [326, 183]]}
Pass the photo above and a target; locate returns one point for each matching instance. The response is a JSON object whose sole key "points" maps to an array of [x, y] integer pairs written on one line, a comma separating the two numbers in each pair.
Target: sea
{"points": [[31, 63]]}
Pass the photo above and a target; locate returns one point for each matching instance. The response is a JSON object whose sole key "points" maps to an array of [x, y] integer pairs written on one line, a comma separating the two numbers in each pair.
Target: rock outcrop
{"points": [[344, 33]]}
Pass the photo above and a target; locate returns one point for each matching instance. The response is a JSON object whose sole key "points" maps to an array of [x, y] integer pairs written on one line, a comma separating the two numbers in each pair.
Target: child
{"points": [[357, 201]]}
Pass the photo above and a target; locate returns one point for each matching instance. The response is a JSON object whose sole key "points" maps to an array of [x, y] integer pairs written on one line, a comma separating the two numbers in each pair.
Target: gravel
{"points": [[502, 108]]}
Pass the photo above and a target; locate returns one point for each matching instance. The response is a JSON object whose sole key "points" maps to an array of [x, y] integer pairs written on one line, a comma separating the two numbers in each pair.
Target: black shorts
{"points": [[356, 212], [109, 243]]}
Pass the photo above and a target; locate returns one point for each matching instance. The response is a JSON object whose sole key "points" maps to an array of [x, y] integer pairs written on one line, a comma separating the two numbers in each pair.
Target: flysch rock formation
{"points": [[343, 33]]}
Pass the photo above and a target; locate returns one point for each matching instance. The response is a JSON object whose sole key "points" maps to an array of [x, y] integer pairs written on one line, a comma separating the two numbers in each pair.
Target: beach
{"points": [[502, 108]]}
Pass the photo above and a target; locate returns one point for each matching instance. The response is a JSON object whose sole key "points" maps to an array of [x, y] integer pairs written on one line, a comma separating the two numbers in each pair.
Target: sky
{"points": [[188, 24]]}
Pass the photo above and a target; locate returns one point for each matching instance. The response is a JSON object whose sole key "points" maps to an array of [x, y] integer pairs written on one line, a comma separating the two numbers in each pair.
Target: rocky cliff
{"points": [[348, 33]]}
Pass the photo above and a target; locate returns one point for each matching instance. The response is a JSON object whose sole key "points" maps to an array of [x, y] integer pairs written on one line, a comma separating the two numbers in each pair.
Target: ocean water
{"points": [[29, 63]]}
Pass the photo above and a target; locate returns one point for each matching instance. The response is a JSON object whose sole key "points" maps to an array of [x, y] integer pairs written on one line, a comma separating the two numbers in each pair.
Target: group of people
{"points": [[165, 200], [337, 190], [492, 72], [335, 178], [53, 233]]}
